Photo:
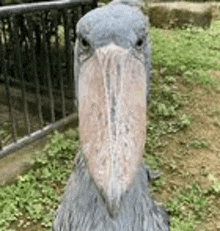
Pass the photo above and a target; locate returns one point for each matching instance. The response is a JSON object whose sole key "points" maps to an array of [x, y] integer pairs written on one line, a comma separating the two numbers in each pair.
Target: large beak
{"points": [[112, 119]]}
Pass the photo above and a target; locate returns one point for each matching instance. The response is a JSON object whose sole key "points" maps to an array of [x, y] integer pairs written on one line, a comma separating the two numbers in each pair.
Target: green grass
{"points": [[35, 194], [187, 207], [199, 143], [185, 53], [188, 52]]}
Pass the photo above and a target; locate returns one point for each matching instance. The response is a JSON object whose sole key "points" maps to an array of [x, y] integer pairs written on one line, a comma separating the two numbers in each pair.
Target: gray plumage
{"points": [[109, 188], [83, 207]]}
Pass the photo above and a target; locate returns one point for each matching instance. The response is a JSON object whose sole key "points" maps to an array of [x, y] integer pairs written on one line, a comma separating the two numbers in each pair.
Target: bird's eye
{"points": [[85, 44], [139, 43]]}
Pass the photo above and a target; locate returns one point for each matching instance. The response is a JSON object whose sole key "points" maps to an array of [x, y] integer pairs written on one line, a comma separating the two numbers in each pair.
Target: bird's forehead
{"points": [[114, 20]]}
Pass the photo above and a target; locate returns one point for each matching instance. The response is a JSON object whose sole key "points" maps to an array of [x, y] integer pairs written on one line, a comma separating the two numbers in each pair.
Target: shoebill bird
{"points": [[109, 188]]}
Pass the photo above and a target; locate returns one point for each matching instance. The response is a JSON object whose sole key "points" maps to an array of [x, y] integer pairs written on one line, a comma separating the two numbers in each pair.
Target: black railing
{"points": [[36, 69]]}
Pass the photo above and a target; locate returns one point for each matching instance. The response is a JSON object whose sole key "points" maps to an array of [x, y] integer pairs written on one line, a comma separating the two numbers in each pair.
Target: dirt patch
{"points": [[193, 154], [29, 225]]}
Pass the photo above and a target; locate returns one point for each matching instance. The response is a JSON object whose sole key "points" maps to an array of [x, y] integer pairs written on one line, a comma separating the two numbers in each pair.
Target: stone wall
{"points": [[180, 14]]}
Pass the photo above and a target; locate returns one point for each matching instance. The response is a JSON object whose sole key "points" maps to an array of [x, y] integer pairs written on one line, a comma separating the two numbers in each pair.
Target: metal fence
{"points": [[36, 69]]}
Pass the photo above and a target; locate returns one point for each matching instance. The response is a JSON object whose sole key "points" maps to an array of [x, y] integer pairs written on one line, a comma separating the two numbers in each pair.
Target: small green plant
{"points": [[167, 101], [199, 76], [199, 143], [187, 208], [183, 122], [183, 225], [153, 160], [215, 187], [165, 110]]}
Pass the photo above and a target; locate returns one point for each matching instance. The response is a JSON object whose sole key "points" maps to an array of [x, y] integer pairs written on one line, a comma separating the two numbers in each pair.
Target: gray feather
{"points": [[83, 208]]}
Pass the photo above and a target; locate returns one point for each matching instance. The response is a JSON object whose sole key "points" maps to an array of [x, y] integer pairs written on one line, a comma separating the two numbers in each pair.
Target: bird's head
{"points": [[112, 74]]}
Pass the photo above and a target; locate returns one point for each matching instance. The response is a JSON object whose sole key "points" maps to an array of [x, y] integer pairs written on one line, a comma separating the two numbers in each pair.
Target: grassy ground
{"points": [[182, 142], [184, 125]]}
